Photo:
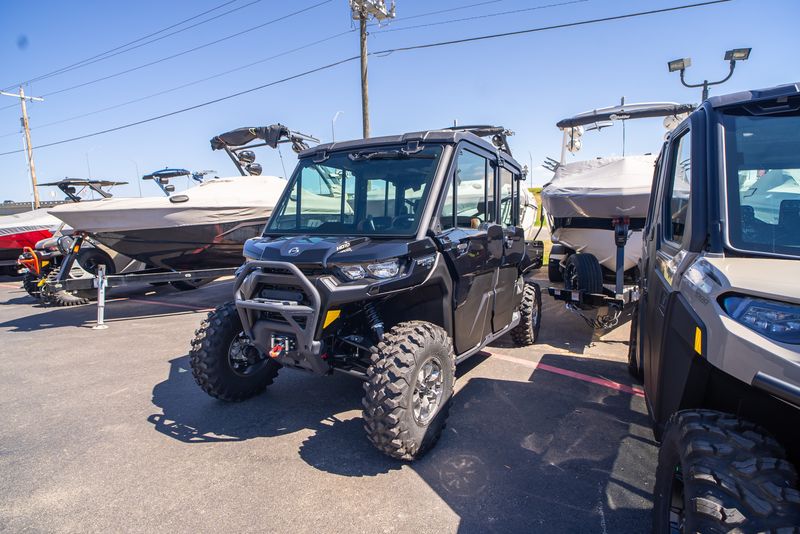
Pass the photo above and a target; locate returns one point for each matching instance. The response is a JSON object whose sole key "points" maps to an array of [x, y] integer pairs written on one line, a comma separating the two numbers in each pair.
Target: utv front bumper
{"points": [[288, 311]]}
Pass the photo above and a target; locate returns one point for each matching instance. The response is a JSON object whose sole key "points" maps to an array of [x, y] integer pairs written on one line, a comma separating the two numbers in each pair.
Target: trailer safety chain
{"points": [[602, 322]]}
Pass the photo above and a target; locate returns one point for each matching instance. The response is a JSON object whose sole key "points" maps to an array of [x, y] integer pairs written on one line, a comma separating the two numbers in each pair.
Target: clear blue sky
{"points": [[525, 83]]}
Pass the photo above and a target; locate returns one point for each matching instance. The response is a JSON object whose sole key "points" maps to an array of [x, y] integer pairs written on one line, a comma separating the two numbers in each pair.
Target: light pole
{"points": [[737, 54], [333, 125], [362, 10]]}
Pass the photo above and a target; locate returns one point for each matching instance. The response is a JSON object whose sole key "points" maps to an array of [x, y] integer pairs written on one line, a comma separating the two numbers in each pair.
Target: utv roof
{"points": [[626, 112], [445, 135], [755, 95]]}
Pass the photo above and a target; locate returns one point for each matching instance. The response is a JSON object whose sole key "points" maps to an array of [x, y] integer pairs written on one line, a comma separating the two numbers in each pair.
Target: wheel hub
{"points": [[428, 391], [244, 359]]}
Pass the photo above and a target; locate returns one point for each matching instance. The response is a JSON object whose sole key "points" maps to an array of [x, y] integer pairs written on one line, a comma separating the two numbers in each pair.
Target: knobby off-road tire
{"points": [[210, 360], [530, 311], [397, 375], [726, 474], [31, 286]]}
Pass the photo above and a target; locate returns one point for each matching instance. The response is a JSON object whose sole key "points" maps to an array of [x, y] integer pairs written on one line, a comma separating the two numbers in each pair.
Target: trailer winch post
{"points": [[101, 297], [620, 239]]}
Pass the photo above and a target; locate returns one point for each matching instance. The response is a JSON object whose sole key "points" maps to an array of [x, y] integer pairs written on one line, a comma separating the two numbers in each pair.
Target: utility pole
{"points": [[29, 147], [362, 10]]}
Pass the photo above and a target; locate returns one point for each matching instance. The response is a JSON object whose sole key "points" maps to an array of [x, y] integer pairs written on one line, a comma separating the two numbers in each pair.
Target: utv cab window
{"points": [[763, 182], [473, 179], [509, 197], [378, 192], [679, 190]]}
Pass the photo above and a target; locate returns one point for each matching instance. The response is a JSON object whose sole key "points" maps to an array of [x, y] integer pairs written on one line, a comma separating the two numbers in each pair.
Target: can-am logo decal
{"points": [[294, 251], [343, 246]]}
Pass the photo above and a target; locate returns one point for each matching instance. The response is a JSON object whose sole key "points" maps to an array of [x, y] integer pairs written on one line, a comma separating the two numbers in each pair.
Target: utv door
{"points": [[472, 243], [507, 295], [664, 246]]}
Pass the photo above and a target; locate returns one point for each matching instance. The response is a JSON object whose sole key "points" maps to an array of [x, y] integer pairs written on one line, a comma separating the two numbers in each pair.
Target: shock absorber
{"points": [[374, 319]]}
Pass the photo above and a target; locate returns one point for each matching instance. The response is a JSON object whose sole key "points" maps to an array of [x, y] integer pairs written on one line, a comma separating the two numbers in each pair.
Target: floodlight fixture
{"points": [[734, 55], [738, 54], [679, 64]]}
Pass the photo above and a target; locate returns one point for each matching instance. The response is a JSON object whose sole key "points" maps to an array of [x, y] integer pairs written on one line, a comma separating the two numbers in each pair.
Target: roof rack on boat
{"points": [[626, 112]]}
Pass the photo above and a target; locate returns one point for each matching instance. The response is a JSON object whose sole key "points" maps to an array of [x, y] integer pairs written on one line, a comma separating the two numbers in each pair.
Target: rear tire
{"points": [[530, 311], [719, 473], [408, 390], [222, 359]]}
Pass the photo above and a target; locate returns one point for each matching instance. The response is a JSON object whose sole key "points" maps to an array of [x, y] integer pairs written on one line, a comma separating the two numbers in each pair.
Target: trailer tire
{"points": [[413, 362], [217, 343], [719, 473], [90, 258], [530, 316], [583, 272]]}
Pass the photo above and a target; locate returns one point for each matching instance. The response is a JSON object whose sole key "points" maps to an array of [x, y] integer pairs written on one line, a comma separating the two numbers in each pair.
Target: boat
{"points": [[202, 227], [25, 229], [586, 201]]}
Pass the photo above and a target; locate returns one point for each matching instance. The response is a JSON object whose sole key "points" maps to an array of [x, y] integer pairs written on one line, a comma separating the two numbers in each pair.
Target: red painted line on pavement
{"points": [[610, 384]]}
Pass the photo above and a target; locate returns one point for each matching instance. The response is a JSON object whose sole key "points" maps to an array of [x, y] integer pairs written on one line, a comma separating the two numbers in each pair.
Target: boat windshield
{"points": [[763, 182], [377, 192]]}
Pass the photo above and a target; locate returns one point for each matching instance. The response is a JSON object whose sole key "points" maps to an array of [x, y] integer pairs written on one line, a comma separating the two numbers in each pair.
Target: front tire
{"points": [[719, 473], [224, 363], [530, 311], [409, 388]]}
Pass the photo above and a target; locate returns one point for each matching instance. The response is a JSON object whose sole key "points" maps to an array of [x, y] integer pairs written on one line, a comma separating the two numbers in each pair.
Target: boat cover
{"points": [[600, 243], [215, 201], [601, 188]]}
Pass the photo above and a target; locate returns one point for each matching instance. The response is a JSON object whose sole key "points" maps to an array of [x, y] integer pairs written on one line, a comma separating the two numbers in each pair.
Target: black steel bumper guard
{"points": [[299, 320]]}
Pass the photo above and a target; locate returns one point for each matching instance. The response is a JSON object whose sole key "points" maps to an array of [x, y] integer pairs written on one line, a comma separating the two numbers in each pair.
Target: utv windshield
{"points": [[364, 192], [763, 173]]}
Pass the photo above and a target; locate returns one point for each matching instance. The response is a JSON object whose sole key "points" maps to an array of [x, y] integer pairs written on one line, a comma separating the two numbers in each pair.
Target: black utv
{"points": [[392, 259]]}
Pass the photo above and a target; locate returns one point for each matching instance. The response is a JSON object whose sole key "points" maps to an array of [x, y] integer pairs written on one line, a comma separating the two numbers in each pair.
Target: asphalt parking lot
{"points": [[105, 430]]}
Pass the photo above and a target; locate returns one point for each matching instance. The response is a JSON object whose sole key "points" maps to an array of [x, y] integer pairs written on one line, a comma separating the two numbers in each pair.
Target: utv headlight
{"points": [[778, 321], [384, 269], [353, 272]]}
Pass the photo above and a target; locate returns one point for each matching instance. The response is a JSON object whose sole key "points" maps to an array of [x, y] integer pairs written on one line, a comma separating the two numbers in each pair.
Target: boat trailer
{"points": [[614, 297]]}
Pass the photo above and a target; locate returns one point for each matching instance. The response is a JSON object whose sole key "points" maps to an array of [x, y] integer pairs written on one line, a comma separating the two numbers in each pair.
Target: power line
{"points": [[188, 84], [184, 52], [484, 16], [162, 30], [383, 52]]}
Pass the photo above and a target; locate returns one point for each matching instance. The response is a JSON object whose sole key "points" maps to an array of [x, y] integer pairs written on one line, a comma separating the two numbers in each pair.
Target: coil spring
{"points": [[374, 319]]}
